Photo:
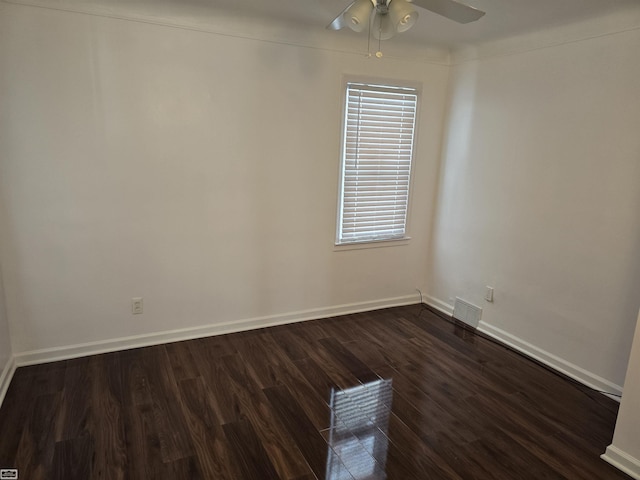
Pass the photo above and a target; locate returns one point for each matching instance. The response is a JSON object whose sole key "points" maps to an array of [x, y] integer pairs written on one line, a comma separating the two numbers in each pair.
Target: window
{"points": [[377, 149]]}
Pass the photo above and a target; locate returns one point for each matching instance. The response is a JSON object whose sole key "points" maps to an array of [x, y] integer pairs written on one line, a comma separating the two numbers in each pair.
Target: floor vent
{"points": [[467, 312]]}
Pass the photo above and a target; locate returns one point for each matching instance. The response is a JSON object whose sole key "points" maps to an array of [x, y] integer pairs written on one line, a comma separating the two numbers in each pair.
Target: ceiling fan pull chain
{"points": [[369, 40], [379, 52]]}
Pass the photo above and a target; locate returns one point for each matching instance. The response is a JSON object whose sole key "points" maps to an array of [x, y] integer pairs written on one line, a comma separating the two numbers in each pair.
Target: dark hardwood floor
{"points": [[398, 393]]}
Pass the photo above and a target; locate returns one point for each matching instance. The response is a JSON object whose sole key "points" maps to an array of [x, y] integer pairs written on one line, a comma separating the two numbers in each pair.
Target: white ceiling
{"points": [[503, 18]]}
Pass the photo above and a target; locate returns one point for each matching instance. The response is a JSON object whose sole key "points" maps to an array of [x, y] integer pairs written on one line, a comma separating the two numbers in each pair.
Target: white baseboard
{"points": [[583, 376], [622, 461], [439, 305], [567, 368], [5, 377], [156, 338]]}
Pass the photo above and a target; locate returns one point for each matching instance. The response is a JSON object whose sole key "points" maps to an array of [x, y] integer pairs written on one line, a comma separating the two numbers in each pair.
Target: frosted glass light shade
{"points": [[402, 14], [357, 16]]}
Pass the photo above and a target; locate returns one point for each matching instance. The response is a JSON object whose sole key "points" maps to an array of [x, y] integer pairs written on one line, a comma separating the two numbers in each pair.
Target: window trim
{"points": [[391, 242], [378, 242]]}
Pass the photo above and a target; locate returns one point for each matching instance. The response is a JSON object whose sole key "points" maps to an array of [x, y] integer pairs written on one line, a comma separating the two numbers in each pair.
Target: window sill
{"points": [[395, 242]]}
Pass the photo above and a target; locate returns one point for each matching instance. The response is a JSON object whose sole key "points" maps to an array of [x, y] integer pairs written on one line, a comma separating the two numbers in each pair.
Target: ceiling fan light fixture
{"points": [[402, 14], [357, 15]]}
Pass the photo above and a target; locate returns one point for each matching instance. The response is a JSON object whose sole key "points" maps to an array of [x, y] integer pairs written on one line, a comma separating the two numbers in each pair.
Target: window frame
{"points": [[340, 244]]}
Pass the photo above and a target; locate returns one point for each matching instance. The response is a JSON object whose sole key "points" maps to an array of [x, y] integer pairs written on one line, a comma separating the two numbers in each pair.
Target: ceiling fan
{"points": [[388, 17]]}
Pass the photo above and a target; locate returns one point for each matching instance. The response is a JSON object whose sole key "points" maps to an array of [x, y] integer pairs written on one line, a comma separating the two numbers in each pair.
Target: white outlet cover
{"points": [[136, 305], [488, 295]]}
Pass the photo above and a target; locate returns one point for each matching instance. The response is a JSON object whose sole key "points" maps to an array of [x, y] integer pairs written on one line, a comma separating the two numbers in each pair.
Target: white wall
{"points": [[6, 353], [196, 170], [7, 365], [5, 339], [624, 451], [540, 198]]}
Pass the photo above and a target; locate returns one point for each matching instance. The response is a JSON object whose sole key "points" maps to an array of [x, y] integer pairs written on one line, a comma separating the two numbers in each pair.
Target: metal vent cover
{"points": [[467, 312]]}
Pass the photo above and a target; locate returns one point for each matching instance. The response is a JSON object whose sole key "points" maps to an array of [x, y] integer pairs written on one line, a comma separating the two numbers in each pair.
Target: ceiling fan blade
{"points": [[339, 21], [456, 11]]}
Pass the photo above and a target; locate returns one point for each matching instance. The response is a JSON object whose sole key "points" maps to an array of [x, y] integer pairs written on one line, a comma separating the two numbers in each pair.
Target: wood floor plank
{"points": [[358, 369], [145, 450], [419, 459], [309, 440], [333, 368], [106, 423], [170, 425], [13, 417], [222, 398], [37, 445], [72, 459], [285, 455], [46, 378], [212, 347], [186, 468], [305, 402], [317, 376], [525, 431], [541, 391], [262, 363], [251, 459], [282, 371], [209, 441], [155, 377], [181, 360], [143, 447], [293, 345], [76, 402], [135, 382]]}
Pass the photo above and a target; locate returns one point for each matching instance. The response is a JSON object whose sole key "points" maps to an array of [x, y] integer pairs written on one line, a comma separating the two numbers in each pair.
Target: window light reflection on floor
{"points": [[358, 436]]}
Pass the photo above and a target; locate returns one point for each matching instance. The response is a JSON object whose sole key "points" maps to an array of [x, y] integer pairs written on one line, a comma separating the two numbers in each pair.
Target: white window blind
{"points": [[376, 162]]}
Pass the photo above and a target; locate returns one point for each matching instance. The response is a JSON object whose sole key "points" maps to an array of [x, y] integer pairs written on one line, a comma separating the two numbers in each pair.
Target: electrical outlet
{"points": [[136, 305], [488, 294]]}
